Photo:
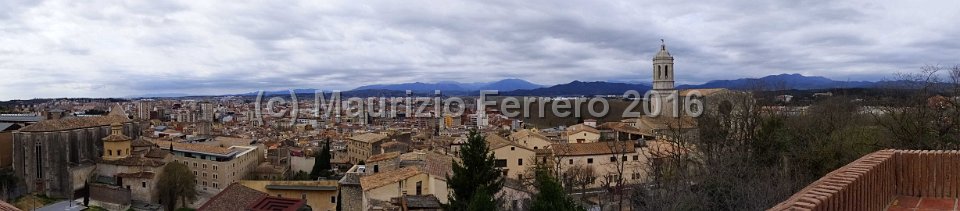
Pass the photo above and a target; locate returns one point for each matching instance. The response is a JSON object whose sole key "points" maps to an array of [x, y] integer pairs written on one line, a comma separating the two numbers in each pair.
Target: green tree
{"points": [[176, 183], [321, 165], [475, 177], [339, 199], [551, 196], [482, 201]]}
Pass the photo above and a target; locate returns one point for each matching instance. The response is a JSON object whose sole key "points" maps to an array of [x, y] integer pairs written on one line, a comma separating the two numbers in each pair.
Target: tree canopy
{"points": [[475, 178], [176, 183]]}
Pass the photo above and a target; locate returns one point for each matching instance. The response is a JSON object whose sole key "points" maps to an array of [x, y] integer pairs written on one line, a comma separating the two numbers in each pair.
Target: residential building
{"points": [[363, 146], [513, 159], [215, 166], [581, 133], [320, 195], [609, 159]]}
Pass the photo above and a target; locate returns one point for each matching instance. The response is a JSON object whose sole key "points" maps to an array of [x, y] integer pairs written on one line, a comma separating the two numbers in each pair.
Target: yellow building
{"points": [[116, 145], [364, 145], [581, 133], [605, 159], [383, 186], [530, 138], [320, 195], [512, 158]]}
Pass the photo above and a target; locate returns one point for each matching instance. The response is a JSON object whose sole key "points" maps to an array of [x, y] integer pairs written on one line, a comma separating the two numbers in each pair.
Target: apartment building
{"points": [[361, 147], [215, 167]]}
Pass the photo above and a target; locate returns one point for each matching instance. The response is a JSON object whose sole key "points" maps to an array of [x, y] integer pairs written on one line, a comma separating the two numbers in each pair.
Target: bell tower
{"points": [[664, 94], [663, 69]]}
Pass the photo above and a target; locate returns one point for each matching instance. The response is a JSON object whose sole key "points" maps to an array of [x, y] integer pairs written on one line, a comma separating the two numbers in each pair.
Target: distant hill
{"points": [[456, 87], [578, 88], [782, 81]]}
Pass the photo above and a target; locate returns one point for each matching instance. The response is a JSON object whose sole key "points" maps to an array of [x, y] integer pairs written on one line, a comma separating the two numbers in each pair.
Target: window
{"points": [[143, 184], [204, 166], [571, 161], [194, 164], [613, 159], [376, 168], [520, 162], [333, 199], [512, 148], [501, 163], [214, 167], [214, 176], [204, 174], [535, 147], [303, 196], [589, 160], [635, 157], [204, 183], [110, 152], [195, 173], [624, 158], [215, 185], [419, 188]]}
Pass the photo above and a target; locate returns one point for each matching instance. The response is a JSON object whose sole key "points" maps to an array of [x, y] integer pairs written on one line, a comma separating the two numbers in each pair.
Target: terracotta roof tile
{"points": [[369, 137], [387, 177], [234, 197], [384, 156]]}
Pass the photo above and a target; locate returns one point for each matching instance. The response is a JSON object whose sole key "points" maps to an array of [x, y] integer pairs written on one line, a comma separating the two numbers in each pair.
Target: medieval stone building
{"points": [[55, 157]]}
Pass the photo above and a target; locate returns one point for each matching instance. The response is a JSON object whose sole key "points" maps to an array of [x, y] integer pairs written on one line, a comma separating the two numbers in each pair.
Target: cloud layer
{"points": [[106, 48]]}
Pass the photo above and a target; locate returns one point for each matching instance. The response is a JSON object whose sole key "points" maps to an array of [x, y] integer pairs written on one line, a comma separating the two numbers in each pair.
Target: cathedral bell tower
{"points": [[663, 69], [663, 96]]}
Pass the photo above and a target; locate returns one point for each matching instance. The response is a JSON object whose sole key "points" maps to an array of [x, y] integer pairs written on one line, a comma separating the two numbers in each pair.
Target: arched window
{"points": [[666, 72]]}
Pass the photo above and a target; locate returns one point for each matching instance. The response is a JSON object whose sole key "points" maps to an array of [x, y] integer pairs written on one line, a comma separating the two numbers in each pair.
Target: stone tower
{"points": [[663, 69], [116, 145], [663, 94]]}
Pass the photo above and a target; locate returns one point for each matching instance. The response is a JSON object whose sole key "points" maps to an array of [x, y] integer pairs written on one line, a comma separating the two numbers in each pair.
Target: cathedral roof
{"points": [[69, 123]]}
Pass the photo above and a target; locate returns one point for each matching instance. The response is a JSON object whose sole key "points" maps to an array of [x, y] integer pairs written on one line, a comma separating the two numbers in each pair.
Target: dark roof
{"points": [[5, 125], [139, 175], [18, 118], [134, 161], [270, 203], [421, 202], [234, 197]]}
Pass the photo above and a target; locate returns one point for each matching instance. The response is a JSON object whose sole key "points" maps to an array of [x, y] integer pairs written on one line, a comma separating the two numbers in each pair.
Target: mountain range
{"points": [[452, 86], [519, 87]]}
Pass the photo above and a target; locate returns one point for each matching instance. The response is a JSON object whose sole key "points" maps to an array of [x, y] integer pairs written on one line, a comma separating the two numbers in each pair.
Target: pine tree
{"points": [[550, 195], [475, 177]]}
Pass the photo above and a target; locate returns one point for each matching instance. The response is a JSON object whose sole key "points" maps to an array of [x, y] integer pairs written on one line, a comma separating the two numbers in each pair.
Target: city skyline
{"points": [[95, 49]]}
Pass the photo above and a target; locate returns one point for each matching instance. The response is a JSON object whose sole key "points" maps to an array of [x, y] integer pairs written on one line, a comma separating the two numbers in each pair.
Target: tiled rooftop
{"points": [[596, 148], [886, 180]]}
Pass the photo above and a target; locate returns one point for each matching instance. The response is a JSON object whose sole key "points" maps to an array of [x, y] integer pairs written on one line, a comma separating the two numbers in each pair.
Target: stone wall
{"points": [[872, 182], [59, 152]]}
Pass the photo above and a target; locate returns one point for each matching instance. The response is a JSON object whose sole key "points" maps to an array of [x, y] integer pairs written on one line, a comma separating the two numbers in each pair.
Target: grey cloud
{"points": [[121, 49]]}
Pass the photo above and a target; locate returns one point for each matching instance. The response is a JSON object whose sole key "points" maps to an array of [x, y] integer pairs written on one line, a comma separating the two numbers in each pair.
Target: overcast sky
{"points": [[104, 48]]}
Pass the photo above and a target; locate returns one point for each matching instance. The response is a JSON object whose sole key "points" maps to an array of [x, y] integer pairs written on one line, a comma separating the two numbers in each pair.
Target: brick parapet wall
{"points": [[871, 182]]}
